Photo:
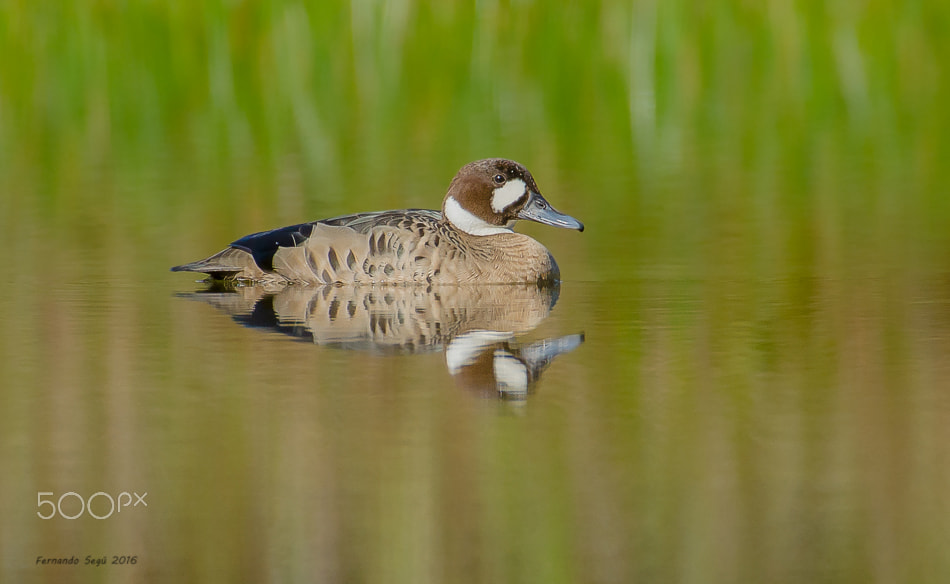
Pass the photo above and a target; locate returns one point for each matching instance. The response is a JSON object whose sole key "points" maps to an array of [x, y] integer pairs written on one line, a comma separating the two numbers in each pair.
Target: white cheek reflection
{"points": [[511, 376]]}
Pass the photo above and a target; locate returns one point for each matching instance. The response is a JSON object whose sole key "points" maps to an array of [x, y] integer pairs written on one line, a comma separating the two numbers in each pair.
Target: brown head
{"points": [[486, 197]]}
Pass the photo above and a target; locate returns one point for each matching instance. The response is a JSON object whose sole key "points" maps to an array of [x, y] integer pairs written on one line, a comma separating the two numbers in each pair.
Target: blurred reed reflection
{"points": [[478, 327]]}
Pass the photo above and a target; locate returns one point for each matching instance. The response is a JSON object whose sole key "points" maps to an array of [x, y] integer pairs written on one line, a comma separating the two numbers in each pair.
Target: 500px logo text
{"points": [[72, 505]]}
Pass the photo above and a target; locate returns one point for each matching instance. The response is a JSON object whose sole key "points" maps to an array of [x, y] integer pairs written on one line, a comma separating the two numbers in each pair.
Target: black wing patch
{"points": [[262, 246]]}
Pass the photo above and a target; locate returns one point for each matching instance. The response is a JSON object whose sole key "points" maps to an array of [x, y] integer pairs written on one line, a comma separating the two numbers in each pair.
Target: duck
{"points": [[469, 241]]}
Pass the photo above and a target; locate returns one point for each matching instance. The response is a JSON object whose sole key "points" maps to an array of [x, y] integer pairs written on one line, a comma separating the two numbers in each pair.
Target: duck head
{"points": [[486, 197]]}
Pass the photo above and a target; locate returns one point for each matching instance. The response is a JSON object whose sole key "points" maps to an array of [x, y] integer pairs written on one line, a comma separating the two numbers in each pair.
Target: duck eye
{"points": [[499, 178]]}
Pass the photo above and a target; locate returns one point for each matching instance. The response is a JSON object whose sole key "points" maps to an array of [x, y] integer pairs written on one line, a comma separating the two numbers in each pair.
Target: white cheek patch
{"points": [[470, 223], [508, 194]]}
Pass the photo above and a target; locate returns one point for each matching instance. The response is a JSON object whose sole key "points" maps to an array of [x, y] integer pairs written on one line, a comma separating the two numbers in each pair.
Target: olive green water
{"points": [[742, 377]]}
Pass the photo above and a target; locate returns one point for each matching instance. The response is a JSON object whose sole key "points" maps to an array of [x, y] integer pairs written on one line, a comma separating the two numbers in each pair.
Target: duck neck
{"points": [[513, 257]]}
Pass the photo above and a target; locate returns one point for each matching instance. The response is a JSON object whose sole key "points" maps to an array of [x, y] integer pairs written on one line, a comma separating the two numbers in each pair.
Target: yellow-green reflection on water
{"points": [[796, 432], [762, 287]]}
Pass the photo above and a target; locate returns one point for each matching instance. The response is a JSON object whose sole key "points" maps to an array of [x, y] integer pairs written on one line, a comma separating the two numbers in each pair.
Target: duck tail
{"points": [[227, 263]]}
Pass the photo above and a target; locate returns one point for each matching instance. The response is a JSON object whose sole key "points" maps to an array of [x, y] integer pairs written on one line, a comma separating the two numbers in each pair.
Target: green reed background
{"points": [[791, 126]]}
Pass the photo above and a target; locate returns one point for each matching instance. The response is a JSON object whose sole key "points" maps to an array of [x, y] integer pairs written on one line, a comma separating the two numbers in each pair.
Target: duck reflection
{"points": [[478, 328]]}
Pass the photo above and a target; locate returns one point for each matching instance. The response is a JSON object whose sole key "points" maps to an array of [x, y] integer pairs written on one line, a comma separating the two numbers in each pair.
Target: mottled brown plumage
{"points": [[469, 241]]}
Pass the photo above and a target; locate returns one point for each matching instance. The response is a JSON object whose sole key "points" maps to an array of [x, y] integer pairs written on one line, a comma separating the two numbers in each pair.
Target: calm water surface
{"points": [[661, 428]]}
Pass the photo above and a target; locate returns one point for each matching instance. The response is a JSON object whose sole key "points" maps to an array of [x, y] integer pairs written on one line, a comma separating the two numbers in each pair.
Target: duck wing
{"points": [[363, 247], [393, 247]]}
